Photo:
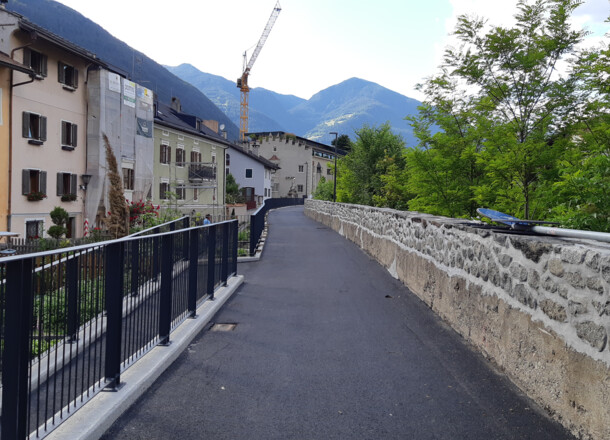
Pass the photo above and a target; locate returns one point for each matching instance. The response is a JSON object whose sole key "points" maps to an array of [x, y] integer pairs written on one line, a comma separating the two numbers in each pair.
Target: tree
{"points": [[581, 192], [343, 143], [519, 97], [233, 193], [118, 223], [359, 172], [324, 190], [59, 217], [443, 171]]}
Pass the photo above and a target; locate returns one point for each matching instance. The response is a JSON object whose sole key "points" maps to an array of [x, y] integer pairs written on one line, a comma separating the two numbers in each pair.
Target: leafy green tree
{"points": [[59, 217], [520, 99], [443, 170], [581, 192], [324, 190], [359, 172], [343, 143], [233, 193]]}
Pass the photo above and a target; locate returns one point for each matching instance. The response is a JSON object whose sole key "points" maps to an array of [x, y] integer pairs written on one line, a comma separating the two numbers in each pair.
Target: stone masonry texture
{"points": [[539, 307]]}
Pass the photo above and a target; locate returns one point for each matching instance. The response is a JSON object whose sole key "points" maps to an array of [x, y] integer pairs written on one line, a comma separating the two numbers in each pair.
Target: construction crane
{"points": [[242, 82]]}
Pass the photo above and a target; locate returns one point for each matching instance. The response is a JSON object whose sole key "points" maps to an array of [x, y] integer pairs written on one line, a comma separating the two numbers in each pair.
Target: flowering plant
{"points": [[33, 196], [142, 214]]}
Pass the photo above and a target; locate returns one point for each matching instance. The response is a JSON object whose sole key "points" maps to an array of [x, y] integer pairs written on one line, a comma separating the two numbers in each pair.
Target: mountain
{"points": [[343, 108], [78, 29]]}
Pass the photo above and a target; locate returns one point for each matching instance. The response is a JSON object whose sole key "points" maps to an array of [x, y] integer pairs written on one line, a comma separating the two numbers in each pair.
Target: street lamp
{"points": [[335, 179]]}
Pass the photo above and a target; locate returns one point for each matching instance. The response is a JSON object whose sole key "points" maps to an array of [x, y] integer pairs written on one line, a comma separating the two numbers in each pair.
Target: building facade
{"points": [[189, 163], [252, 172], [302, 162], [47, 140]]}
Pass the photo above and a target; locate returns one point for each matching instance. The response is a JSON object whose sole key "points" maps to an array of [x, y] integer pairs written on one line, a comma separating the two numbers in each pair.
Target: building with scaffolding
{"points": [[189, 162]]}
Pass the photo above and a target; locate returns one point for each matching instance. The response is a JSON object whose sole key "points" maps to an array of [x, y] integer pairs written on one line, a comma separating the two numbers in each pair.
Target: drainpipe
{"points": [[10, 138]]}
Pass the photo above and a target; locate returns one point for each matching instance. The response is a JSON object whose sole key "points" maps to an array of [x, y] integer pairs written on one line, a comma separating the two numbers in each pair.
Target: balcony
{"points": [[199, 172]]}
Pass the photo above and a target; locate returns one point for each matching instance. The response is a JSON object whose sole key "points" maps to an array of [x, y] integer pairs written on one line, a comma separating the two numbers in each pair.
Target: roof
{"points": [[256, 157], [7, 61], [309, 142], [168, 117], [40, 32]]}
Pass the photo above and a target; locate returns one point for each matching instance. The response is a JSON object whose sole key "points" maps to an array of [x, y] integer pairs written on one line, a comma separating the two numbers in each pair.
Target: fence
{"points": [[257, 220], [72, 320]]}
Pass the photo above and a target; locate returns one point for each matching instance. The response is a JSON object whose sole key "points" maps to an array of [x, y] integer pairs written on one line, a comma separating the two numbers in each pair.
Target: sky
{"points": [[315, 43]]}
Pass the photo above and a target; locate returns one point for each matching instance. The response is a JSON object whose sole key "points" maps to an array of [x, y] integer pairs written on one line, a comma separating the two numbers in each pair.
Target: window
{"points": [[34, 128], [166, 154], [68, 135], [35, 61], [34, 229], [128, 178], [33, 181], [67, 75], [228, 160], [195, 156], [301, 168], [329, 172], [163, 190], [248, 173], [180, 156], [300, 188], [213, 157], [195, 194], [180, 191], [66, 185]]}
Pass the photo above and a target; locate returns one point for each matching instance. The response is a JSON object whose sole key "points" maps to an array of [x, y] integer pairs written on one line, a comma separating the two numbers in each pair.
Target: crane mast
{"points": [[242, 82]]}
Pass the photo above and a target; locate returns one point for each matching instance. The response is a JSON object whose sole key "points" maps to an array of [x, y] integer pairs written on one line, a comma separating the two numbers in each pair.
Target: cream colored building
{"points": [[47, 140], [189, 162], [302, 162]]}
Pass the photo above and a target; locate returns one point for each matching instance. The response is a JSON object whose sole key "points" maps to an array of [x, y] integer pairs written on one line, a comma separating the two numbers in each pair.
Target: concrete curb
{"points": [[93, 419]]}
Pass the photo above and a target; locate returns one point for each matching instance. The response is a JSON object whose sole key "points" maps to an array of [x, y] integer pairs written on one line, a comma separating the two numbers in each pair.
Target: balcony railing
{"points": [[199, 172]]}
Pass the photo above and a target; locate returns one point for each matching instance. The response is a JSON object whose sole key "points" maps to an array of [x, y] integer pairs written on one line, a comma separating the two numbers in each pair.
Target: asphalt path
{"points": [[327, 345]]}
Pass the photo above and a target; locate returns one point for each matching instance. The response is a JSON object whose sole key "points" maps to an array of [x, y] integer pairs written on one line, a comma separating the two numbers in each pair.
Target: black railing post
{"points": [[224, 269], [253, 235], [235, 243], [165, 302], [211, 259], [113, 279], [135, 266], [193, 240], [16, 355], [185, 237], [72, 293], [156, 252]]}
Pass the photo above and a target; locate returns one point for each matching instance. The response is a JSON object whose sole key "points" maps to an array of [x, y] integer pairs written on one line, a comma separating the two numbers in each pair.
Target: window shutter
{"points": [[73, 183], [169, 154], [43, 182], [27, 57], [161, 154], [26, 125], [25, 181], [60, 184], [43, 65], [74, 133], [61, 72], [64, 133], [75, 85], [43, 128]]}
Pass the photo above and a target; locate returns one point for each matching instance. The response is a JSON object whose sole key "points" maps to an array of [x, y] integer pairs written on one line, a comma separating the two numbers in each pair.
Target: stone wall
{"points": [[539, 307]]}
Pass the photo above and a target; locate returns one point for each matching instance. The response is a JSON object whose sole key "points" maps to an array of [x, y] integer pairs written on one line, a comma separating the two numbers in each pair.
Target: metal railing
{"points": [[72, 320], [257, 220]]}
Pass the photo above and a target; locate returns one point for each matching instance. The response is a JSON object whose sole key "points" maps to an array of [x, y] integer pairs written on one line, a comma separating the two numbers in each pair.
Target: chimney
{"points": [[176, 104], [212, 125]]}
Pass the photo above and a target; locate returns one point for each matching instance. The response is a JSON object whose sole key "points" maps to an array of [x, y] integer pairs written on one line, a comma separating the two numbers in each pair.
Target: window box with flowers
{"points": [[35, 196], [68, 197]]}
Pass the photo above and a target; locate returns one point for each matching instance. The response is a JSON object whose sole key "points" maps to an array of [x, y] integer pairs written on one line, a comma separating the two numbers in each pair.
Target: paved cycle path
{"points": [[327, 345]]}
